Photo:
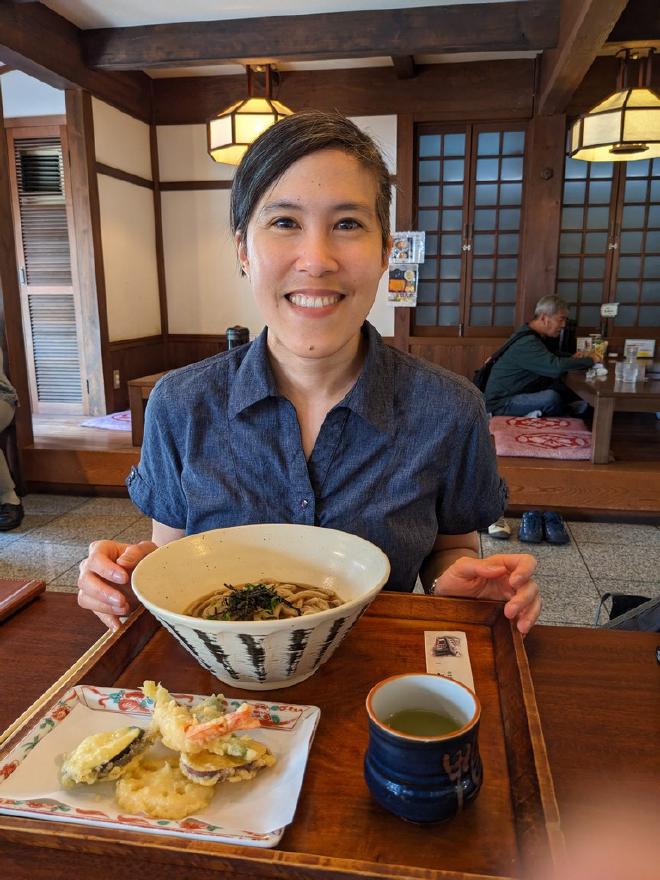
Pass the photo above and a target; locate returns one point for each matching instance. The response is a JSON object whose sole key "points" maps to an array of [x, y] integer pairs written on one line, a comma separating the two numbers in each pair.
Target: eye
{"points": [[348, 223], [284, 223]]}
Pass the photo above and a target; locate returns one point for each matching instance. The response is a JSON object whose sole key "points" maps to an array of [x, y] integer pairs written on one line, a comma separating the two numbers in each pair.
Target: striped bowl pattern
{"points": [[261, 655]]}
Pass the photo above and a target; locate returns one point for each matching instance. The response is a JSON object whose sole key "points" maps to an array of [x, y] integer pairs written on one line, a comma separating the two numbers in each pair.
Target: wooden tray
{"points": [[338, 830]]}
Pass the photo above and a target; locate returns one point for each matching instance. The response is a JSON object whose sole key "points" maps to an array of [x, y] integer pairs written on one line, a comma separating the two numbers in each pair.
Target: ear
{"points": [[241, 250], [386, 252]]}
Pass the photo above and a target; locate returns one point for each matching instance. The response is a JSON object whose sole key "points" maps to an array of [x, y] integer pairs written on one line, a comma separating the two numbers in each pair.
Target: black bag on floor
{"points": [[638, 613], [482, 375]]}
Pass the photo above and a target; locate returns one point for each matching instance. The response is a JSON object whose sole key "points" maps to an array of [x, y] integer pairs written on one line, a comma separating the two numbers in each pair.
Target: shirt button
{"points": [[304, 503]]}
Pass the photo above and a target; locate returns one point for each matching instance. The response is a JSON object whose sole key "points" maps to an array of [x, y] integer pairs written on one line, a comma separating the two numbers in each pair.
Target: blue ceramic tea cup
{"points": [[426, 778]]}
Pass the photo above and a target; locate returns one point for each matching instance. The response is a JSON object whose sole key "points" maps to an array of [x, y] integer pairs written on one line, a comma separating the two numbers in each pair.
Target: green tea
{"points": [[421, 722]]}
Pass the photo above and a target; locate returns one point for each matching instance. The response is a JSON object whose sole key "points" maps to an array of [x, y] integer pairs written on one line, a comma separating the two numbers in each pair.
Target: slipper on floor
{"points": [[554, 528]]}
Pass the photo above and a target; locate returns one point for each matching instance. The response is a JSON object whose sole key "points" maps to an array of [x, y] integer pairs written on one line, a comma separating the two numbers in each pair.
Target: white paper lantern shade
{"points": [[231, 132], [623, 127]]}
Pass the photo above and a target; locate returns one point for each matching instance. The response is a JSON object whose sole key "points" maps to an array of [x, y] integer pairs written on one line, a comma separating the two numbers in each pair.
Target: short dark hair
{"points": [[291, 139]]}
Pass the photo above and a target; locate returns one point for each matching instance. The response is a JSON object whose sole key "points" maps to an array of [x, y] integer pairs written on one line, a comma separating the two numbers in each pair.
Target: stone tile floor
{"points": [[602, 557]]}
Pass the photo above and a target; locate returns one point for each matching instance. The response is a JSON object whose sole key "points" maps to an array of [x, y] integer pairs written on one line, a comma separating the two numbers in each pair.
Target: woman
{"points": [[317, 421]]}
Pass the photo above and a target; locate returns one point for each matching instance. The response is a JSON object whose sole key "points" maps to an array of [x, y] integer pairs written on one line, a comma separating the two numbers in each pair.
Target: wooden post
{"points": [[89, 256], [542, 211]]}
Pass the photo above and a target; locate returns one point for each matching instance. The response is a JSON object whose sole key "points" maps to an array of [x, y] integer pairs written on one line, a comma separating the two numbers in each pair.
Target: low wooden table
{"points": [[138, 394], [597, 693], [607, 395]]}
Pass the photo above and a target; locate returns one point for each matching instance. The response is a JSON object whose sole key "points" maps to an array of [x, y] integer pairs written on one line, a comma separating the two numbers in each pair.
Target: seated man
{"points": [[525, 379]]}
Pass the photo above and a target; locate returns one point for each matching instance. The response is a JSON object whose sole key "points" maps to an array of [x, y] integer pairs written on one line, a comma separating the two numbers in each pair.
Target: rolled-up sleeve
{"points": [[155, 484], [473, 495]]}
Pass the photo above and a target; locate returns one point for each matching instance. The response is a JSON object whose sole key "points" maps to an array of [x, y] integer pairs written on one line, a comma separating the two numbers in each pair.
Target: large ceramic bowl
{"points": [[265, 654]]}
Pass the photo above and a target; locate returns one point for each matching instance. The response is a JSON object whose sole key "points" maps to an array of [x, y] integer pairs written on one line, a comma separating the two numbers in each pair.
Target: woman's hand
{"points": [[105, 577], [505, 576]]}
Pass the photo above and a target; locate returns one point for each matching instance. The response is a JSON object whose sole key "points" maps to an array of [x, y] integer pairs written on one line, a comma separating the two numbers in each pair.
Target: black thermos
{"points": [[237, 336]]}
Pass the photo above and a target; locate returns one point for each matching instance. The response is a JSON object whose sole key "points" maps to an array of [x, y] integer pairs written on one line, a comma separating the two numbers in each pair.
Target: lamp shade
{"points": [[231, 132], [623, 127]]}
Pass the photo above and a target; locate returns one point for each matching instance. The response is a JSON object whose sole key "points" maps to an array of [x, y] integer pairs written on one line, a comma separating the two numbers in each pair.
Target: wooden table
{"points": [[598, 693], [37, 645], [138, 394], [607, 395]]}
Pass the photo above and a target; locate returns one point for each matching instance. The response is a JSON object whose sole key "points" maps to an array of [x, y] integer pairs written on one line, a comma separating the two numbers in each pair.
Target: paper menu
{"points": [[447, 654]]}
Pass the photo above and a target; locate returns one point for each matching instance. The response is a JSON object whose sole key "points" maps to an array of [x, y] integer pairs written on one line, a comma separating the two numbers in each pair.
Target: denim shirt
{"points": [[404, 456]]}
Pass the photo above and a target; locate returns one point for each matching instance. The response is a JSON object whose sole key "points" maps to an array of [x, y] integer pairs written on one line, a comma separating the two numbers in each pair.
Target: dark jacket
{"points": [[525, 367]]}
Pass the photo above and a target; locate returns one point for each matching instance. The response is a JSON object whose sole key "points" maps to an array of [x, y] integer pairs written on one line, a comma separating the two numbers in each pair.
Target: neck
{"points": [[537, 326], [326, 378]]}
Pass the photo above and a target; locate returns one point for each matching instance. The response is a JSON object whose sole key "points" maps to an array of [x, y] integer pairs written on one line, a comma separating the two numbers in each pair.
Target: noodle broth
{"points": [[263, 600]]}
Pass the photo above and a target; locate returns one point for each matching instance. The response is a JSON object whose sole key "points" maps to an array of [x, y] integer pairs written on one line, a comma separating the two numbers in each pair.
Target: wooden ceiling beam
{"points": [[37, 41], [508, 26], [404, 66], [439, 91], [584, 27]]}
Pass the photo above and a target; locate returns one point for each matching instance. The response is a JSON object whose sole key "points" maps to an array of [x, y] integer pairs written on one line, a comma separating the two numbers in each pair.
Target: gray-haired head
{"points": [[550, 305], [291, 139]]}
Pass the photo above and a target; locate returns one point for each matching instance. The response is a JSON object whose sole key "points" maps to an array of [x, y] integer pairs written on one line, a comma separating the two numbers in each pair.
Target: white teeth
{"points": [[313, 302]]}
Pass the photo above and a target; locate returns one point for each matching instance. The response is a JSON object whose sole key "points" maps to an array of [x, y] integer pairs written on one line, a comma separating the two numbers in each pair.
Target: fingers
{"points": [[524, 607], [95, 595], [104, 582], [519, 566], [134, 553], [113, 623], [470, 567]]}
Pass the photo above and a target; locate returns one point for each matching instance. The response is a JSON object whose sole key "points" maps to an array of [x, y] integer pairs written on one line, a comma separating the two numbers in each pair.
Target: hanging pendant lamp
{"points": [[231, 132], [626, 125]]}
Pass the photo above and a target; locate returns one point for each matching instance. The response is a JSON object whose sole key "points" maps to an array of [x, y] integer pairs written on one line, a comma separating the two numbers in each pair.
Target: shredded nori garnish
{"points": [[244, 602]]}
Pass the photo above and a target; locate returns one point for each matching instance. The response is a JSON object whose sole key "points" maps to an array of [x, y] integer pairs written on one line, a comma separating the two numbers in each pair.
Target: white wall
{"points": [[205, 293], [23, 95], [121, 140], [128, 240], [128, 228]]}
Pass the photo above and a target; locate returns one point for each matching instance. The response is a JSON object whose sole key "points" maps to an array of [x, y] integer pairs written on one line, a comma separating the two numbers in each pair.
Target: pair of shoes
{"points": [[500, 530], [11, 516], [536, 527]]}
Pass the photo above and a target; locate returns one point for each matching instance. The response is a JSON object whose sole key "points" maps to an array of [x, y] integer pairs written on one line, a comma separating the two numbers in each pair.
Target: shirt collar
{"points": [[254, 378], [371, 397]]}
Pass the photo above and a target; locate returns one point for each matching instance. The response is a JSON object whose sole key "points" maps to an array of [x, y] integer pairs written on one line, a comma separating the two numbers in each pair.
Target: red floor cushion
{"points": [[551, 437]]}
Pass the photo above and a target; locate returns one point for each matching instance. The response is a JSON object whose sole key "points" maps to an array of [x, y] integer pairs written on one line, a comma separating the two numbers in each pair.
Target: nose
{"points": [[316, 255]]}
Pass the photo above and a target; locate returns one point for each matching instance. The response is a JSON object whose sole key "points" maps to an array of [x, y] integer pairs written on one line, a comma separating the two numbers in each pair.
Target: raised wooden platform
{"points": [[67, 458]]}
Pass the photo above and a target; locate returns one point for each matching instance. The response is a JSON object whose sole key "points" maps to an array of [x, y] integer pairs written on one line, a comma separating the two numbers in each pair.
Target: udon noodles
{"points": [[264, 600]]}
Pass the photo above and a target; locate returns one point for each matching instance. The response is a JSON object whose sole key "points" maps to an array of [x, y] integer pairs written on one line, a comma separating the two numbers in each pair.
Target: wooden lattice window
{"points": [[469, 191], [609, 247]]}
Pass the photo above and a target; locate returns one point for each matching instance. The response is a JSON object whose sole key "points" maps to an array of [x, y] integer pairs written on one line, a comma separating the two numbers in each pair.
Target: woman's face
{"points": [[313, 253]]}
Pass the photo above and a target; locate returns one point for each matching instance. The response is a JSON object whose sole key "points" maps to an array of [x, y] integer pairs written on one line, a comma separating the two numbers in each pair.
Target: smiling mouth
{"points": [[306, 301]]}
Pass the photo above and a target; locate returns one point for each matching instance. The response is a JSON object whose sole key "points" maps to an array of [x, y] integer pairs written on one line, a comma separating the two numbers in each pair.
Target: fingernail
{"points": [[118, 576]]}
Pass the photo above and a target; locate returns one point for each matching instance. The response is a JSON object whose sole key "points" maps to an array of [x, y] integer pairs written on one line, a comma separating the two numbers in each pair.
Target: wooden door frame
{"points": [[10, 302]]}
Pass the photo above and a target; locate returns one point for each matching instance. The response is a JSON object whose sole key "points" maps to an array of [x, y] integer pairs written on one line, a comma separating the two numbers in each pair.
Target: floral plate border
{"points": [[280, 716]]}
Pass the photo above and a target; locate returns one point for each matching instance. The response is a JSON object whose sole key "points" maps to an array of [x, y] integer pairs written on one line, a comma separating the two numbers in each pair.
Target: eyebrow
{"points": [[284, 205]]}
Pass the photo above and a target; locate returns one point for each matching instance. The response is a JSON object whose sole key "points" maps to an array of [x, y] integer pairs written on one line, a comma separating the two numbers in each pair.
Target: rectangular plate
{"points": [[250, 813]]}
